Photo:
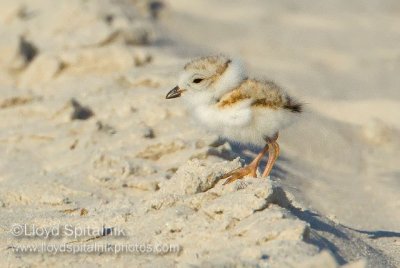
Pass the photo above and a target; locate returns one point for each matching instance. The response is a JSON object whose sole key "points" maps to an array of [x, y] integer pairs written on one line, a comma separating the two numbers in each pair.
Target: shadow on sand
{"points": [[324, 233]]}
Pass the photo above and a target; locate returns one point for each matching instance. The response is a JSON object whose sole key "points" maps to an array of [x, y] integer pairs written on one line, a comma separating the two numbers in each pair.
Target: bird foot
{"points": [[239, 173]]}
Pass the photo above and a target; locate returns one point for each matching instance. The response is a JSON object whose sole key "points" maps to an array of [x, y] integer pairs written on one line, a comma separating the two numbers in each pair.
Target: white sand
{"points": [[137, 163]]}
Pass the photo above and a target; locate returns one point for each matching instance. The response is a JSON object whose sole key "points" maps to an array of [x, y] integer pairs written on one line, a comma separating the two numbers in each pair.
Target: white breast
{"points": [[219, 120], [241, 123]]}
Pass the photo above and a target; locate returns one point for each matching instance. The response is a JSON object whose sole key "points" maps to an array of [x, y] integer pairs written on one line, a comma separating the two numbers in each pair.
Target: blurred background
{"points": [[343, 60], [82, 76]]}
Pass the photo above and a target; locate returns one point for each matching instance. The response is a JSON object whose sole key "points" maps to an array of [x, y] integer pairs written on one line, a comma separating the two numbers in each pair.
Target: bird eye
{"points": [[197, 80]]}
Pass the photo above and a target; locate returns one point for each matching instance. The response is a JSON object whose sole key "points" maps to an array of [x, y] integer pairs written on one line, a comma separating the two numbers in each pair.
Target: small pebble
{"points": [[27, 50], [80, 112], [149, 133]]}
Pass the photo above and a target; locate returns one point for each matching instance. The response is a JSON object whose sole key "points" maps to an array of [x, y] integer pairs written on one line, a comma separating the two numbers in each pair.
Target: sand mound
{"points": [[88, 141]]}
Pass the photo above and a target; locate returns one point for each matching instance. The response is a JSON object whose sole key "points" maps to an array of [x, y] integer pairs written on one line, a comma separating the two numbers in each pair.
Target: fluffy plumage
{"points": [[224, 100], [234, 106]]}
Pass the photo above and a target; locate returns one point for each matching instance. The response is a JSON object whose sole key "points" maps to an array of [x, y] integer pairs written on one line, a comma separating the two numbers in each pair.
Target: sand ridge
{"points": [[88, 140]]}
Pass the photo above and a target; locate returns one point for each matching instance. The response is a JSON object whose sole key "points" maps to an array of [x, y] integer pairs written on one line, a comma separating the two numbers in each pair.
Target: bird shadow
{"points": [[337, 231], [247, 152], [376, 234], [324, 233], [316, 221]]}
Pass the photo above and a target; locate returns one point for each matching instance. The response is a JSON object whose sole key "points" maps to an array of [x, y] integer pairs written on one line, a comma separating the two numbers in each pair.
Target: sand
{"points": [[89, 143]]}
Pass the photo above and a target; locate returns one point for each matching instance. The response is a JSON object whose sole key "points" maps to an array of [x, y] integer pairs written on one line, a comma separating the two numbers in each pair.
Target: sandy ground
{"points": [[88, 140]]}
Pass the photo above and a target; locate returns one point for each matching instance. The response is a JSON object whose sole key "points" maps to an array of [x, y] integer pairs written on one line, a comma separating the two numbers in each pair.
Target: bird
{"points": [[224, 100]]}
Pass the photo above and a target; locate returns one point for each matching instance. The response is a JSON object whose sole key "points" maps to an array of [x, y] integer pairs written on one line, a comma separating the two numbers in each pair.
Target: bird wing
{"points": [[259, 93], [267, 94]]}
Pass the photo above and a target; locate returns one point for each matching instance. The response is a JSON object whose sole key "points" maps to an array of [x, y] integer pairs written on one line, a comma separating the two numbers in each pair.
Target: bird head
{"points": [[207, 78]]}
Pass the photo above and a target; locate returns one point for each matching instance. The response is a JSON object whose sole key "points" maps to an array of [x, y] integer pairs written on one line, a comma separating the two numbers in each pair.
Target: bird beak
{"points": [[174, 93]]}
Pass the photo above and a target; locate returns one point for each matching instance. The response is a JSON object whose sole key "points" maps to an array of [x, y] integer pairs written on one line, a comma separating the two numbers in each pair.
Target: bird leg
{"points": [[273, 153], [251, 169]]}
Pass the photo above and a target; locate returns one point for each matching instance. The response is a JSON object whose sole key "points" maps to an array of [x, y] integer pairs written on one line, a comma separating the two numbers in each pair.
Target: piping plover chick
{"points": [[223, 99]]}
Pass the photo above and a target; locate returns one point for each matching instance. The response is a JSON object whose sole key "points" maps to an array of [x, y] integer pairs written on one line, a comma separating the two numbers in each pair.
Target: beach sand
{"points": [[88, 141]]}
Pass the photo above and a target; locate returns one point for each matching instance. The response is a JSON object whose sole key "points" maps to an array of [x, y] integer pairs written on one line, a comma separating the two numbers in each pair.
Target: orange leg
{"points": [[244, 171], [273, 154]]}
